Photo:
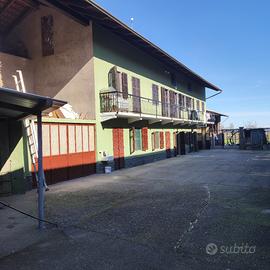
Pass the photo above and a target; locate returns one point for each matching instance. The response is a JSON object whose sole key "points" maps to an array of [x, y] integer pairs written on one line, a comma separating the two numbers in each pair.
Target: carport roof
{"points": [[17, 105]]}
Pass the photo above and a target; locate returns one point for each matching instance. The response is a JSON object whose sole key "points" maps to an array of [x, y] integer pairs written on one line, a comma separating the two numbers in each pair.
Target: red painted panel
{"points": [[118, 148], [168, 140], [68, 166]]}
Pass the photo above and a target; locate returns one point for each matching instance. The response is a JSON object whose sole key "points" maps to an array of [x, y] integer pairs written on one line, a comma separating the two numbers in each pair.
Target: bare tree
{"points": [[250, 124]]}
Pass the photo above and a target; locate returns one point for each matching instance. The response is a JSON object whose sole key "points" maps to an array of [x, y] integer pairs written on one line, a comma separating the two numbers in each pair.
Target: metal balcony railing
{"points": [[118, 102]]}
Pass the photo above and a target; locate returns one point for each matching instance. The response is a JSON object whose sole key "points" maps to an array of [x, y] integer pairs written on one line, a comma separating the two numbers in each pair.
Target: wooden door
{"points": [[182, 143], [118, 148]]}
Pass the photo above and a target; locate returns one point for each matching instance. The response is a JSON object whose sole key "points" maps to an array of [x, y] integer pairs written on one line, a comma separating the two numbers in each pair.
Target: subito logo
{"points": [[211, 249]]}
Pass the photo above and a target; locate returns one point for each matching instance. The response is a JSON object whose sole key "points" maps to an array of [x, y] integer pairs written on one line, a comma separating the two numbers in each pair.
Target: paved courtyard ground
{"points": [[207, 210]]}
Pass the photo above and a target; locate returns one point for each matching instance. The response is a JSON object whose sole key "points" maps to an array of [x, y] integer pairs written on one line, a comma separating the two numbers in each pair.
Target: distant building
{"points": [[214, 135]]}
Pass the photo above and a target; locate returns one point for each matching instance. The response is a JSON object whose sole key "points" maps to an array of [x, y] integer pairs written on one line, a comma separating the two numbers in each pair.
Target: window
{"points": [[131, 140], [181, 100], [198, 105], [161, 135], [144, 138], [188, 102], [155, 140], [138, 139], [155, 96], [47, 35], [203, 108], [113, 78], [136, 92], [125, 85], [135, 139]]}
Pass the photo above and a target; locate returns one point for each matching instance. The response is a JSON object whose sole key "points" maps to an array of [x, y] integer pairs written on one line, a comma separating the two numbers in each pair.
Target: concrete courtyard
{"points": [[206, 210]]}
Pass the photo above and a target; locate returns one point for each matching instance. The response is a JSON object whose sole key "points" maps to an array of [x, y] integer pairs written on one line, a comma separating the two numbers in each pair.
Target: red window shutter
{"points": [[161, 138], [125, 85], [144, 138]]}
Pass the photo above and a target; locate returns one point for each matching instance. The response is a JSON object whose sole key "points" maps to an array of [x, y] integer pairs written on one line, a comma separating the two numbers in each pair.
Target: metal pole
{"points": [[41, 186]]}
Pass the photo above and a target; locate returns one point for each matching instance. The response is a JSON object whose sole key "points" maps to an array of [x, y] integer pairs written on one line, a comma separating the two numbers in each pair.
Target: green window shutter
{"points": [[138, 139]]}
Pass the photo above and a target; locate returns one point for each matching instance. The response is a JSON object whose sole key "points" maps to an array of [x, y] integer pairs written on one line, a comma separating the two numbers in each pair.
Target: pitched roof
{"points": [[86, 10]]}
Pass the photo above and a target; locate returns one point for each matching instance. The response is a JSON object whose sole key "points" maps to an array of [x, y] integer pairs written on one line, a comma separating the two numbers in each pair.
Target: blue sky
{"points": [[225, 41]]}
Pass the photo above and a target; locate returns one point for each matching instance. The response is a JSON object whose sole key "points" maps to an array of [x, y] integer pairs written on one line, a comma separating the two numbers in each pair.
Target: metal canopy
{"points": [[17, 105]]}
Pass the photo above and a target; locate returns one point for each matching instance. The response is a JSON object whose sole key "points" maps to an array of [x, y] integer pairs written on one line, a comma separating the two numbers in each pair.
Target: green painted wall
{"points": [[13, 163], [110, 50]]}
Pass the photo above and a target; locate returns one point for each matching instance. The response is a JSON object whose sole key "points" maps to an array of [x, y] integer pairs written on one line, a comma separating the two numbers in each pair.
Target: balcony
{"points": [[115, 104]]}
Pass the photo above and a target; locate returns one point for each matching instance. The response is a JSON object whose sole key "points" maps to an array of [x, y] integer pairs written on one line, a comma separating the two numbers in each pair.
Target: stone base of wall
{"points": [[100, 166], [144, 159], [134, 161]]}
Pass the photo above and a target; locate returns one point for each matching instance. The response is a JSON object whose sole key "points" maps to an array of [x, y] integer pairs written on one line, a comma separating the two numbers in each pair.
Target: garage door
{"points": [[68, 151]]}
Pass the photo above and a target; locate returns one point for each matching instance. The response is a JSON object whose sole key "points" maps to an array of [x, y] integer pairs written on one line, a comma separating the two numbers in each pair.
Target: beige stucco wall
{"points": [[8, 66], [68, 73]]}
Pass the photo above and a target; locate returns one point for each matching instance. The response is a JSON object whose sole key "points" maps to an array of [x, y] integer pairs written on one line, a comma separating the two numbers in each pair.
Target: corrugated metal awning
{"points": [[18, 105]]}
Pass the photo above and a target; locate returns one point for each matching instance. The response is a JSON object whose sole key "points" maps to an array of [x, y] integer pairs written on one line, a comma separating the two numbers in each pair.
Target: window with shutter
{"points": [[113, 78], [198, 105], [155, 96], [157, 140], [161, 134], [188, 102], [203, 108], [153, 140], [144, 138], [136, 92], [138, 139], [125, 85], [132, 140]]}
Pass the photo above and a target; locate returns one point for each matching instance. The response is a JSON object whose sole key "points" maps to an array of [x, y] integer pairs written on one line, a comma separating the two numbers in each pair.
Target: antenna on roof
{"points": [[131, 22]]}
